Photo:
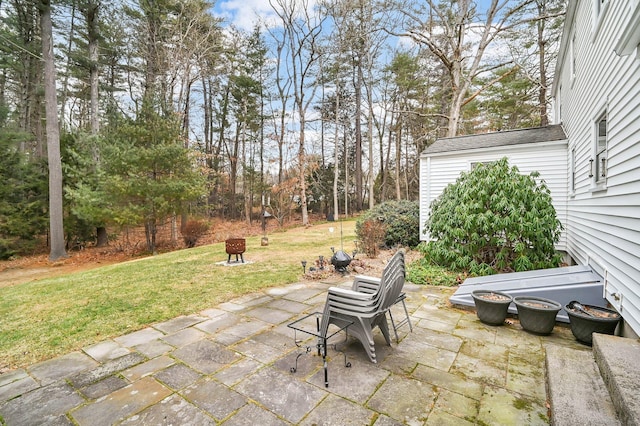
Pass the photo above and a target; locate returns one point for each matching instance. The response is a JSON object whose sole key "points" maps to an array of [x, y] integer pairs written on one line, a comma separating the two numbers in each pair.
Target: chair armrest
{"points": [[348, 294], [365, 284]]}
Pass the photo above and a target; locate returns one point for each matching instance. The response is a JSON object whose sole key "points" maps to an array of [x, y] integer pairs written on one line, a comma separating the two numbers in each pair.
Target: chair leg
{"points": [[407, 320], [381, 322], [393, 324], [404, 305]]}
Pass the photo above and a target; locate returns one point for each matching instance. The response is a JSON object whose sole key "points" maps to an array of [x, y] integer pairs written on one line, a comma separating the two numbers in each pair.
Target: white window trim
{"points": [[572, 58], [572, 171], [559, 102], [596, 183], [630, 39], [599, 12]]}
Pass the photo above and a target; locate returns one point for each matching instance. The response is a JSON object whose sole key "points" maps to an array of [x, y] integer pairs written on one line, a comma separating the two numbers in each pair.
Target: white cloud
{"points": [[244, 14]]}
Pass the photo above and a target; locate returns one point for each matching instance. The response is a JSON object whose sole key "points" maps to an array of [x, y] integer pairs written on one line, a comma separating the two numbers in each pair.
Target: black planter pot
{"points": [[536, 314], [584, 325], [491, 306]]}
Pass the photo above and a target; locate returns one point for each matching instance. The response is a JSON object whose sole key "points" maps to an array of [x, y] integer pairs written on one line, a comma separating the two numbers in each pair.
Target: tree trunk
{"points": [[102, 238], [370, 179], [56, 227], [150, 231], [65, 82], [302, 174], [398, 154], [358, 136], [336, 170], [346, 176], [542, 95]]}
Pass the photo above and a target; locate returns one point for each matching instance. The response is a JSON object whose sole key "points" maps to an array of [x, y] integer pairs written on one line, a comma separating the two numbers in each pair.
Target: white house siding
{"points": [[548, 158], [604, 226]]}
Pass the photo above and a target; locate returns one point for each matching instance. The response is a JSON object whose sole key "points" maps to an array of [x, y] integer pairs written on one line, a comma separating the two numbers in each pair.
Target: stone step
{"points": [[576, 390], [617, 358]]}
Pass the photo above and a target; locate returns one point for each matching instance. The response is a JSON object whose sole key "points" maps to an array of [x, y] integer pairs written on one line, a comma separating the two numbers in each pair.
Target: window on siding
{"points": [[599, 10], [572, 171], [559, 100], [599, 169], [475, 164], [601, 6], [572, 52]]}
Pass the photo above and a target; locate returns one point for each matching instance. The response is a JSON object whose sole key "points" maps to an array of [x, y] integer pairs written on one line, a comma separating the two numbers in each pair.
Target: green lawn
{"points": [[46, 318]]}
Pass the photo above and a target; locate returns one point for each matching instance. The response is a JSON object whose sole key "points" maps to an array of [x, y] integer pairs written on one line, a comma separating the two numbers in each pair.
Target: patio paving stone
{"points": [[449, 381], [214, 398], [501, 407], [485, 350], [140, 337], [237, 371], [86, 378], [387, 421], [256, 350], [338, 412], [288, 306], [251, 415], [279, 341], [231, 365], [178, 376], [404, 399], [356, 383], [272, 316], [205, 356], [154, 348], [105, 351], [218, 323], [442, 418], [456, 405], [305, 294], [19, 384], [148, 368], [240, 331], [427, 354], [480, 370], [173, 410], [52, 370], [42, 406], [179, 323], [122, 403], [184, 337], [103, 387], [292, 399]]}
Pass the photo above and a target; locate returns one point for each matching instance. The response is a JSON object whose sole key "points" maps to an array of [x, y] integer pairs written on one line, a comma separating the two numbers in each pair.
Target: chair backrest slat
{"points": [[393, 280]]}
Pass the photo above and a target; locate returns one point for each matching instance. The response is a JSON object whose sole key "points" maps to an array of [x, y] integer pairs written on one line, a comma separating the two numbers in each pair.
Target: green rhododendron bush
{"points": [[494, 219]]}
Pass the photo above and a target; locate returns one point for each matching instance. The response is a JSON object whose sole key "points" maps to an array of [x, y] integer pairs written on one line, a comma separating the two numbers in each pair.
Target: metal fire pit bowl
{"points": [[340, 260]]}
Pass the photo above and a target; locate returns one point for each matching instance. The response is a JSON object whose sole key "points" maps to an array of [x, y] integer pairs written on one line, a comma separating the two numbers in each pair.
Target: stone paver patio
{"points": [[231, 365]]}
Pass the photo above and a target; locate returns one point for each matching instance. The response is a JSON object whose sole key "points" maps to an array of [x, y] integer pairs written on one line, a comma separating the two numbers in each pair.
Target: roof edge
{"points": [[564, 141]]}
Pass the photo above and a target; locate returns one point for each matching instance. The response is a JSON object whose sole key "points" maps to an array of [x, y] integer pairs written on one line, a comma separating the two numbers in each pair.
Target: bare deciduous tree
{"points": [[302, 28], [445, 28]]}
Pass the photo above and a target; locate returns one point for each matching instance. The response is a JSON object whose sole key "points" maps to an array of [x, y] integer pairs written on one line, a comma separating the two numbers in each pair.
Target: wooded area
{"points": [[145, 112]]}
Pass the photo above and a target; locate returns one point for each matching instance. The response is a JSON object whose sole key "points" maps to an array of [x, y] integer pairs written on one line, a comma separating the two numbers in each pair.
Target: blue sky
{"points": [[243, 13]]}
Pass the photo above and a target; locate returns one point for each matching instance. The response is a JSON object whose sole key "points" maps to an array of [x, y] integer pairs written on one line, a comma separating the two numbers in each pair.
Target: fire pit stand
{"points": [[235, 246]]}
